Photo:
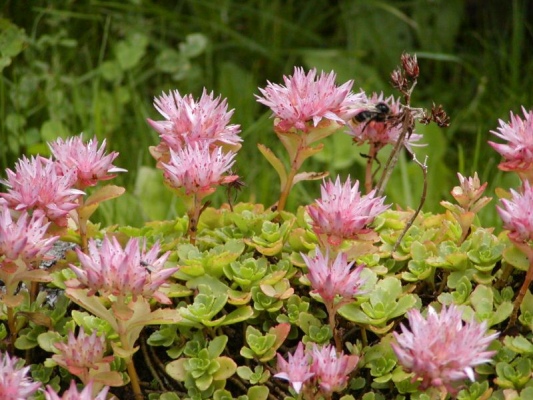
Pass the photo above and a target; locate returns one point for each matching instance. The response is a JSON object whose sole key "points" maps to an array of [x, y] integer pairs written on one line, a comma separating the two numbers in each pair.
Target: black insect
{"points": [[235, 186], [380, 113]]}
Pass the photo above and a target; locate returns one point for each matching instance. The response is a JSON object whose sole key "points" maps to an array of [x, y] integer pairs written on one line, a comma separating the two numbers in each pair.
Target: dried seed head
{"points": [[439, 116], [410, 65], [399, 81]]}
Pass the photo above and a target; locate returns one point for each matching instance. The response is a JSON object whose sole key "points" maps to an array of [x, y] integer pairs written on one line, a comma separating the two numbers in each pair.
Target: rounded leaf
{"points": [[47, 340], [176, 369], [227, 368]]}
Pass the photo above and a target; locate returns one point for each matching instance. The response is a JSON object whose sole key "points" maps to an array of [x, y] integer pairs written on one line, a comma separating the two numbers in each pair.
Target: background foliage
{"points": [[95, 66]]}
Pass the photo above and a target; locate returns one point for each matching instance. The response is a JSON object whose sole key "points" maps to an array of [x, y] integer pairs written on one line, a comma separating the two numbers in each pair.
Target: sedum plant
{"points": [[204, 370], [263, 347], [348, 297]]}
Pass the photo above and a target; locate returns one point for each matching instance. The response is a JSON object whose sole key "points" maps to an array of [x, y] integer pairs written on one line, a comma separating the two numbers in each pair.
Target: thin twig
{"points": [[152, 369], [393, 159], [374, 174], [170, 381], [406, 118], [424, 168], [238, 382], [275, 385]]}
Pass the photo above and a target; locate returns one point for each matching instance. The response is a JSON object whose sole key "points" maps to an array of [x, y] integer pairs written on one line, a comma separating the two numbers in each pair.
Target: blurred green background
{"points": [[95, 67]]}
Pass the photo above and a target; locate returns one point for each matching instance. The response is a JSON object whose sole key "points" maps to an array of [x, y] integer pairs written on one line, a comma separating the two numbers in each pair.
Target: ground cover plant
{"points": [[348, 297], [94, 66]]}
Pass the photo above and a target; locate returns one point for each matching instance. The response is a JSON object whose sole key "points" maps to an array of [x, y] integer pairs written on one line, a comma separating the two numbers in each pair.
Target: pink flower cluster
{"points": [[51, 187], [517, 214], [442, 349], [23, 239], [342, 213], [380, 133], [73, 394], [130, 271], [332, 278], [318, 367], [16, 385], [187, 121], [331, 370], [198, 169], [518, 151], [14, 382], [89, 162], [197, 143], [36, 186], [306, 100], [82, 353]]}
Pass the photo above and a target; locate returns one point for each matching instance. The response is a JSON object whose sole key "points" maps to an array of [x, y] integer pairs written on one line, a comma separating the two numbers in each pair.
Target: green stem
{"points": [[286, 190], [132, 372], [364, 338], [122, 330], [11, 323], [296, 163]]}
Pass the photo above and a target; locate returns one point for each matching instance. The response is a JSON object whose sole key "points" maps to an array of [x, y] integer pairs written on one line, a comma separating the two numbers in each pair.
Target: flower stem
{"points": [[11, 323], [286, 190], [364, 337], [528, 251], [34, 291], [194, 215], [82, 226], [296, 162], [134, 380], [331, 309], [368, 171], [127, 343], [132, 372]]}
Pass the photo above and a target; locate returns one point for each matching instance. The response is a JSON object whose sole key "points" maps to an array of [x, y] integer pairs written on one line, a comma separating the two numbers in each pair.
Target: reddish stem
{"points": [[528, 251], [82, 226], [194, 216], [368, 171]]}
